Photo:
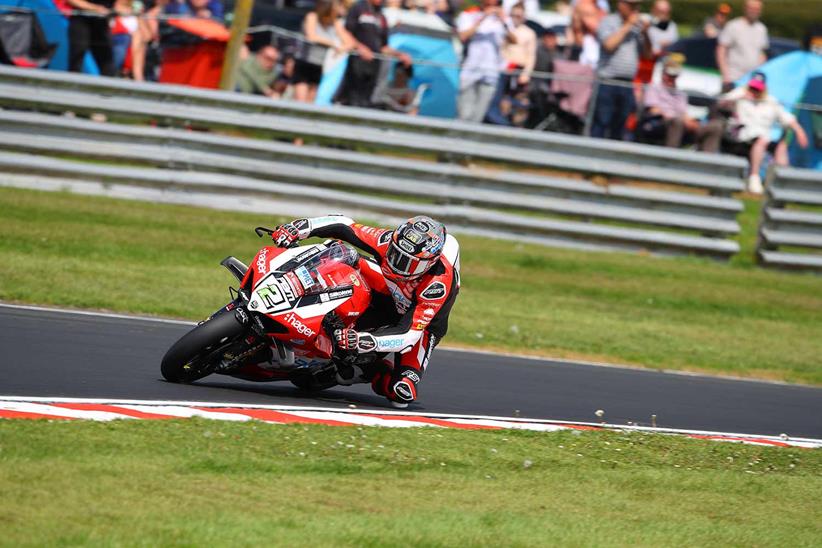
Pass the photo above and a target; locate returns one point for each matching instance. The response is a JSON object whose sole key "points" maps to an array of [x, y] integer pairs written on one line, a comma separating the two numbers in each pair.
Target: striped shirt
{"points": [[624, 60]]}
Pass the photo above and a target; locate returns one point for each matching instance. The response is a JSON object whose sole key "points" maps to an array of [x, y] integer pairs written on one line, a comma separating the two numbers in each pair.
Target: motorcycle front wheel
{"points": [[199, 351]]}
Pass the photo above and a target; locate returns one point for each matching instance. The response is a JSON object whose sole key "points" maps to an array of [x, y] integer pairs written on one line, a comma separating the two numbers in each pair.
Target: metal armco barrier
{"points": [[785, 224], [692, 212]]}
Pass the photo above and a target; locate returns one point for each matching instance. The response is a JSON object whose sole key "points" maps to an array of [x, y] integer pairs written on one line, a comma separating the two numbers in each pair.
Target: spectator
{"points": [[601, 5], [145, 42], [398, 95], [123, 26], [520, 53], [666, 112], [204, 9], [257, 73], [755, 113], [547, 52], [581, 40], [623, 37], [324, 33], [90, 32], [520, 57], [447, 10], [663, 31], [562, 7], [482, 30], [530, 8], [713, 25], [366, 23], [741, 45]]}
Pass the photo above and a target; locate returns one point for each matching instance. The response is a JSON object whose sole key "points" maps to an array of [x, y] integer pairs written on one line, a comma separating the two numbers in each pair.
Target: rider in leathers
{"points": [[414, 283]]}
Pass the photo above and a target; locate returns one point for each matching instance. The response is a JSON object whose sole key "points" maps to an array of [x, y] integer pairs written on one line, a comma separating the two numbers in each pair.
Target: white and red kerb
{"points": [[105, 410]]}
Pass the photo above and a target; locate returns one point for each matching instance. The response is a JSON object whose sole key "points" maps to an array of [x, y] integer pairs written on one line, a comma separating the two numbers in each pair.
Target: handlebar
{"points": [[261, 230]]}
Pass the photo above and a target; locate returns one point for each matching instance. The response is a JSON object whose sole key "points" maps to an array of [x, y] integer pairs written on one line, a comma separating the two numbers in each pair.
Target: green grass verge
{"points": [[209, 483], [692, 314]]}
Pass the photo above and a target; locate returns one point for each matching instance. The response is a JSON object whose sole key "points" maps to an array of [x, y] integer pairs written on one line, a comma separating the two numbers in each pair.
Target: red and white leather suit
{"points": [[417, 309]]}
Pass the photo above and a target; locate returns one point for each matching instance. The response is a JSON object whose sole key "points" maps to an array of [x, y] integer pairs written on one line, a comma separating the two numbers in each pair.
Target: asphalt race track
{"points": [[59, 354]]}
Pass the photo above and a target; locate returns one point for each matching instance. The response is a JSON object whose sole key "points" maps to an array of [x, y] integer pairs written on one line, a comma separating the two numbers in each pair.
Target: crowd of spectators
{"points": [[509, 74]]}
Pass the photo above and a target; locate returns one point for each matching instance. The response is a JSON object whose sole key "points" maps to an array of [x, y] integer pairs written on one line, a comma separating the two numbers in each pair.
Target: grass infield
{"points": [[210, 483], [690, 314]]}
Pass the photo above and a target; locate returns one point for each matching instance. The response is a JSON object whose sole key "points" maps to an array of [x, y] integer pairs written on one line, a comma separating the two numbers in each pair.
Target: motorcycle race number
{"points": [[277, 296]]}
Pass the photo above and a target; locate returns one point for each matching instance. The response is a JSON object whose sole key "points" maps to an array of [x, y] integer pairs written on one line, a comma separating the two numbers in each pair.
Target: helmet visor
{"points": [[405, 264]]}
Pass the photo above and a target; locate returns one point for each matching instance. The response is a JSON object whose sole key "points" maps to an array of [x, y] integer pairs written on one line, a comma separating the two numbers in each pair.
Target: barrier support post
{"points": [[239, 26]]}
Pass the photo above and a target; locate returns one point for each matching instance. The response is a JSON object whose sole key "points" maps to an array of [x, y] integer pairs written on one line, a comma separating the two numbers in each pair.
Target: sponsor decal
{"points": [[252, 304], [434, 291], [384, 238], [401, 302], [411, 376], [306, 254], [407, 246], [392, 343], [403, 391], [420, 326], [261, 258], [422, 226], [323, 297], [301, 224], [413, 236], [428, 314], [355, 313], [434, 246], [301, 328], [297, 341], [340, 293], [305, 277], [286, 288], [366, 342], [241, 316], [354, 279], [326, 220]]}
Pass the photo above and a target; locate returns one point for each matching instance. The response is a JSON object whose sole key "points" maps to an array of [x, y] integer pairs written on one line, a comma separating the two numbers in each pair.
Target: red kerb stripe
{"points": [[274, 416], [8, 414], [114, 409]]}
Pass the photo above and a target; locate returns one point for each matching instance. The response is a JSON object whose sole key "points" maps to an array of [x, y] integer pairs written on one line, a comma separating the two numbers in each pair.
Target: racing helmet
{"points": [[415, 246]]}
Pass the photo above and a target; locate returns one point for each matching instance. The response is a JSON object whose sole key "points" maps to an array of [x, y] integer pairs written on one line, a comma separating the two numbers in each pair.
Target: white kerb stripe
{"points": [[356, 419], [61, 411], [186, 412], [513, 425]]}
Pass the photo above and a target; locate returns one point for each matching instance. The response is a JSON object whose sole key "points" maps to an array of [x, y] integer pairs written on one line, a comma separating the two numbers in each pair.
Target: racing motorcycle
{"points": [[280, 322]]}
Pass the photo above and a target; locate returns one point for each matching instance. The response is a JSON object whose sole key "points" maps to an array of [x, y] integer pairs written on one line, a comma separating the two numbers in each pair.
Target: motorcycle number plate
{"points": [[274, 295]]}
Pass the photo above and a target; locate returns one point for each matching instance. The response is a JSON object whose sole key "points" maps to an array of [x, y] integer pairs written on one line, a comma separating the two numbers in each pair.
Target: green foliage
{"points": [[212, 483], [784, 18], [692, 314]]}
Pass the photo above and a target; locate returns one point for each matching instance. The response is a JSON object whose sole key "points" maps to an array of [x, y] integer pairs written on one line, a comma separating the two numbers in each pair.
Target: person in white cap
{"points": [[754, 115]]}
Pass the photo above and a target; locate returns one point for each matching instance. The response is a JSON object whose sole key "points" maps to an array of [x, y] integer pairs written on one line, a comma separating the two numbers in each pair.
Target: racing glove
{"points": [[350, 340], [286, 235], [346, 339]]}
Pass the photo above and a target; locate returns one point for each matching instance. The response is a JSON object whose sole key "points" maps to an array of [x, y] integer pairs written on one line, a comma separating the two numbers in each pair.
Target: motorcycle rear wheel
{"points": [[197, 353]]}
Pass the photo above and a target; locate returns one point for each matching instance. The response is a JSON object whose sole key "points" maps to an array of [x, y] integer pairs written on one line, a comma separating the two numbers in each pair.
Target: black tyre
{"points": [[197, 353]]}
